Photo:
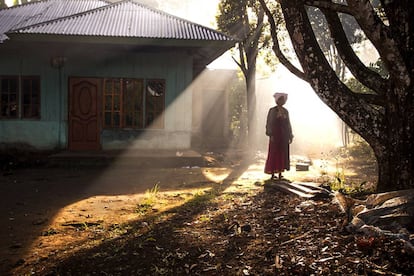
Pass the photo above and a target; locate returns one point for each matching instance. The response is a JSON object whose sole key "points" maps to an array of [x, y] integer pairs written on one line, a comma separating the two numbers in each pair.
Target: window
{"points": [[133, 107], [31, 97], [134, 103], [19, 97], [154, 107], [9, 97]]}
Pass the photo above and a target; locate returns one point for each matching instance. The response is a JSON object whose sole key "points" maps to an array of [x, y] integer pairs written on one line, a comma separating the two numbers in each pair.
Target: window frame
{"points": [[31, 104], [20, 99], [109, 109], [158, 122]]}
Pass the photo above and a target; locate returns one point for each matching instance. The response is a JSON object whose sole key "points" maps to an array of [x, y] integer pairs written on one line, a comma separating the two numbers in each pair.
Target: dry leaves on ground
{"points": [[253, 232]]}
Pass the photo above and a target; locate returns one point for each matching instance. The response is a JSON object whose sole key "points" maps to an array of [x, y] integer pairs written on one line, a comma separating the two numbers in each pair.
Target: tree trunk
{"points": [[388, 129], [251, 107], [394, 151], [395, 170]]}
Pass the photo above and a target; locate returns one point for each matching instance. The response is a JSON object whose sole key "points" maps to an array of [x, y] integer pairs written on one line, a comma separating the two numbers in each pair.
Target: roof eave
{"points": [[119, 40]]}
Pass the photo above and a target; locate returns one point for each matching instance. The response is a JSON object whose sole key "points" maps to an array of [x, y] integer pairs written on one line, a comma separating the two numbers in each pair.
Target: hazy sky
{"points": [[199, 11]]}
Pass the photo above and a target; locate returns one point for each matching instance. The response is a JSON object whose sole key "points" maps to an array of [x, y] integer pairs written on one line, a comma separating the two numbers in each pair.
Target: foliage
{"points": [[319, 25], [340, 180], [360, 149], [244, 20], [238, 111], [355, 85], [16, 2]]}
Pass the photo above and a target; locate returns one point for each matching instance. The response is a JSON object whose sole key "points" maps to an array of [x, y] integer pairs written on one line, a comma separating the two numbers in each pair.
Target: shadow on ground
{"points": [[38, 201]]}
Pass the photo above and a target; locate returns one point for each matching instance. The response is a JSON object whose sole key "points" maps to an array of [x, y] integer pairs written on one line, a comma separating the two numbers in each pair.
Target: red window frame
{"points": [[133, 103]]}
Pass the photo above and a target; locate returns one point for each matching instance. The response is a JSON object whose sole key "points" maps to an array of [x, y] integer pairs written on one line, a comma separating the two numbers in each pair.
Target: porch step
{"points": [[130, 158]]}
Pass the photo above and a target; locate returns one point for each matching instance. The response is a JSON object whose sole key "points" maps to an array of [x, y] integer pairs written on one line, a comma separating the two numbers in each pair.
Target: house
{"points": [[211, 123], [88, 75]]}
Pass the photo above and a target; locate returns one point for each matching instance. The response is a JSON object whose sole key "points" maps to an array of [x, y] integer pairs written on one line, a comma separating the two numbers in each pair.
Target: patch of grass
{"points": [[49, 232], [153, 192], [144, 208], [116, 230], [204, 218], [151, 197], [353, 189], [201, 198], [340, 181], [228, 196]]}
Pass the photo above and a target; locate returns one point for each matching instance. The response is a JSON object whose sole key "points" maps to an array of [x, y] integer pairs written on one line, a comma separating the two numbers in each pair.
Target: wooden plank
{"points": [[304, 188], [305, 191], [283, 186]]}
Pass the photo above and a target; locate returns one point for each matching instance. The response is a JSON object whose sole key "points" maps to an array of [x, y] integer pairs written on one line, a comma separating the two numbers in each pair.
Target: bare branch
{"points": [[329, 6], [242, 64], [366, 76], [276, 47], [238, 63], [351, 108], [378, 33]]}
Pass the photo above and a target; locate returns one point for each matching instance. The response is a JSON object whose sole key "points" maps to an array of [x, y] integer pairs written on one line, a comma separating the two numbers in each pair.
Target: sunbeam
{"points": [[316, 128]]}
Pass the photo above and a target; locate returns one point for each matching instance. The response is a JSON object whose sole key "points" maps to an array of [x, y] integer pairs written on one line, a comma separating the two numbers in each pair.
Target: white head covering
{"points": [[277, 95]]}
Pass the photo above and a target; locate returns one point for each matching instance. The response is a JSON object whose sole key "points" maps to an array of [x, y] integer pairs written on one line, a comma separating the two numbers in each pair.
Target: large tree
{"points": [[244, 20], [383, 117]]}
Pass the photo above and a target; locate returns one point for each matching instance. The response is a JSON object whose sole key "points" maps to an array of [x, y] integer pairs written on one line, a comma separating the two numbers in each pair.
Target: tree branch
{"points": [[238, 63], [371, 98], [366, 76], [242, 63], [354, 110], [276, 47], [329, 6], [378, 33]]}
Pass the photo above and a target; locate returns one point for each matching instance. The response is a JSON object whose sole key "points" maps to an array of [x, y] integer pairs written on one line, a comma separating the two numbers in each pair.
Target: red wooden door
{"points": [[84, 110]]}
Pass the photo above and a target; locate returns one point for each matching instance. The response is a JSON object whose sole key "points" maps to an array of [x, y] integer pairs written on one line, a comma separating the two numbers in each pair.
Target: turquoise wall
{"points": [[51, 130]]}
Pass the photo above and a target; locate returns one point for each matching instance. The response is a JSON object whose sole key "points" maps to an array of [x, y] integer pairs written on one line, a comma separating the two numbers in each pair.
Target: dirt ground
{"points": [[217, 219]]}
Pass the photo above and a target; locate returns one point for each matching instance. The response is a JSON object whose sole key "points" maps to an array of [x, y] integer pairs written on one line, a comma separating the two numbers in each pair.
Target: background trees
{"points": [[382, 115], [14, 3], [244, 20]]}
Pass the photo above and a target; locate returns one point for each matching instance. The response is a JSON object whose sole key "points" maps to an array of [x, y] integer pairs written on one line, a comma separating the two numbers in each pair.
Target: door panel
{"points": [[84, 115]]}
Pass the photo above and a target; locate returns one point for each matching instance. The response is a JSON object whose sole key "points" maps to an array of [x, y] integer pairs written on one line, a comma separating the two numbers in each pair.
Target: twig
{"points": [[294, 239]]}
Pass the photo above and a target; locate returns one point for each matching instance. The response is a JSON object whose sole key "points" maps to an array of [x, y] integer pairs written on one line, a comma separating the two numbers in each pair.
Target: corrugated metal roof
{"points": [[40, 11], [125, 19]]}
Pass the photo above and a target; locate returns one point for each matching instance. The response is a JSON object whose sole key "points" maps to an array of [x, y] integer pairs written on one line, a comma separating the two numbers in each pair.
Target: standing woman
{"points": [[279, 130]]}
